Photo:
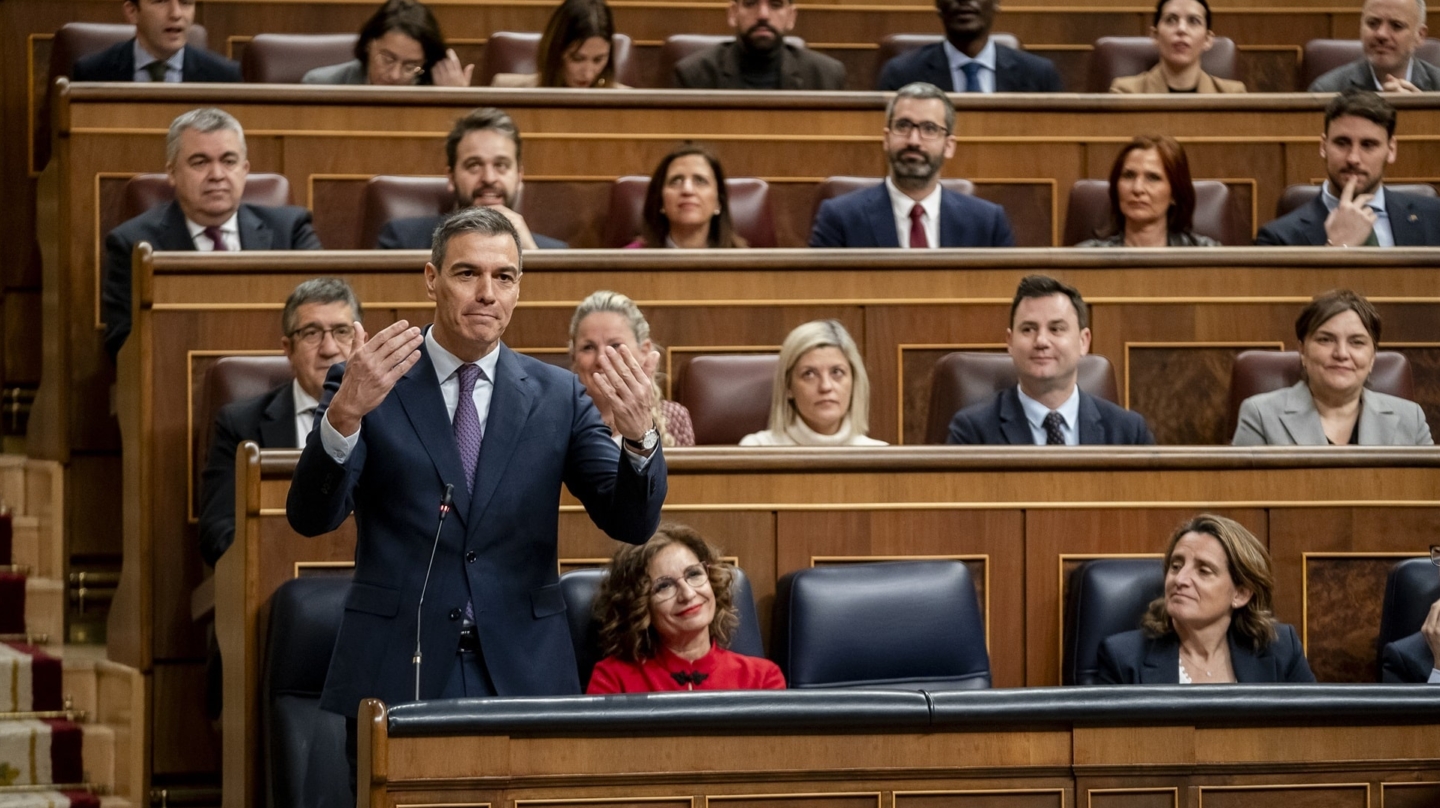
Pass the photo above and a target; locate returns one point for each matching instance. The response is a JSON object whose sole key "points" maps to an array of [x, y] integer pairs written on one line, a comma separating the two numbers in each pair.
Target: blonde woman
{"points": [[821, 395]]}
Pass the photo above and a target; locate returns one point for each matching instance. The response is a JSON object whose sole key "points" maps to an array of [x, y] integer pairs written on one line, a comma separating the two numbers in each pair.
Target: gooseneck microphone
{"points": [[446, 503]]}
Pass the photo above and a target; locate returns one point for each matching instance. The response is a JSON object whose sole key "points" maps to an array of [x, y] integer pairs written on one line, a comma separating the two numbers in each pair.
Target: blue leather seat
{"points": [[580, 587], [914, 625], [1103, 597], [1412, 586]]}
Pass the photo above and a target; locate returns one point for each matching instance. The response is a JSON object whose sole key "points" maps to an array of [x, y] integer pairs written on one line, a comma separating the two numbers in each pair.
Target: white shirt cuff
{"points": [[1434, 676], [638, 461], [336, 445]]}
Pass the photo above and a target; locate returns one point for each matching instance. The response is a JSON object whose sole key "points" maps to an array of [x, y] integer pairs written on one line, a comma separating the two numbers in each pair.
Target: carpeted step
{"points": [[53, 799], [35, 752], [30, 679]]}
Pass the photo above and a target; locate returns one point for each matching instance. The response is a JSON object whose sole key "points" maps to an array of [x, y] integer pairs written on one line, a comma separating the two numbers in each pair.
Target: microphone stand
{"points": [[446, 502]]}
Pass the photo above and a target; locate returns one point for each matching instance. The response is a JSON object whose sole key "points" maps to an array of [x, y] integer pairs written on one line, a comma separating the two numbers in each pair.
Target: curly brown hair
{"points": [[623, 603]]}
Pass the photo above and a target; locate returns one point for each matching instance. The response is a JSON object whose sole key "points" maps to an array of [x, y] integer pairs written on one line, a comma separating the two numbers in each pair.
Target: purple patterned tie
{"points": [[467, 422], [217, 236]]}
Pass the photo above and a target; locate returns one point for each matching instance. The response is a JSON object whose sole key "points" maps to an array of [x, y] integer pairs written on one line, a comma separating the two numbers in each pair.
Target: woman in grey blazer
{"points": [[1339, 333]]}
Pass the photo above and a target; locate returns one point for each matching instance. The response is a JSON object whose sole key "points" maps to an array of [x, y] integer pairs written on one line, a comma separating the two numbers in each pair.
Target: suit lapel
{"points": [[1247, 666], [1005, 71], [1300, 418], [1404, 222], [174, 235], [938, 68], [729, 63], [1312, 219], [419, 394], [881, 217], [254, 233], [1012, 419], [952, 224], [1161, 665], [1378, 421], [1091, 427], [277, 423], [509, 410]]}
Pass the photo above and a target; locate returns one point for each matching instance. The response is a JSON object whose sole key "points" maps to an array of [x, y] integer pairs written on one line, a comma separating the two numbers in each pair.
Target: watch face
{"points": [[650, 439]]}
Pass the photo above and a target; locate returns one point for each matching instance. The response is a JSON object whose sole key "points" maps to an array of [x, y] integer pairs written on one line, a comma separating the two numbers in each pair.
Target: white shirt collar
{"points": [[957, 60], [1035, 413], [1331, 200], [143, 57], [303, 400], [1409, 73], [231, 227], [447, 363], [901, 205]]}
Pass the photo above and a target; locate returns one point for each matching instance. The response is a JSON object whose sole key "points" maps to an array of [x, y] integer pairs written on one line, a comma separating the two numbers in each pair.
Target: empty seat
{"points": [[679, 46], [1103, 597], [750, 210], [1257, 372], [1089, 212], [1410, 589], [913, 625], [145, 191], [893, 45], [969, 377], [1295, 196], [391, 197], [286, 58], [515, 52], [728, 395], [580, 587], [302, 742], [1323, 55], [1118, 56]]}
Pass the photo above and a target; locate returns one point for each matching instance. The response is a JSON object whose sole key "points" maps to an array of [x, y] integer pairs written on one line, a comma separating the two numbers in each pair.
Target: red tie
{"points": [[917, 229]]}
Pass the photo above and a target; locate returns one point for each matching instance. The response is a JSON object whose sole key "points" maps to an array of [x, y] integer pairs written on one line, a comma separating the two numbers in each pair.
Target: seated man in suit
{"points": [[1049, 332], [483, 153], [205, 159], [759, 58], [1415, 659], [1354, 208], [910, 209], [1390, 31], [968, 61], [158, 51]]}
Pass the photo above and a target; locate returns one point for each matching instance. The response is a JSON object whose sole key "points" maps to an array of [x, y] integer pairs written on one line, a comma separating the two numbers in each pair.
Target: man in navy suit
{"points": [[1354, 208], [483, 154], [414, 413], [910, 209], [968, 60], [1049, 332], [206, 164], [158, 51]]}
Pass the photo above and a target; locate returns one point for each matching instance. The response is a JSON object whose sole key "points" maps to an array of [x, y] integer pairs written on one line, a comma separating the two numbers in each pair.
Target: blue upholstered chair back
{"points": [[1103, 597]]}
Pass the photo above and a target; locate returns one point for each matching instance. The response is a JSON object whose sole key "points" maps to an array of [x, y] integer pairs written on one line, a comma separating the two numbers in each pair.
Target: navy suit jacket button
{"points": [[470, 557], [454, 614]]}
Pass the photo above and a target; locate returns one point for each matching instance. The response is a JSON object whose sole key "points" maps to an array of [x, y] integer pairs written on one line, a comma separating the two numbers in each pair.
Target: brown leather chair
{"points": [[145, 191], [1089, 212], [894, 45], [1118, 56], [1323, 55], [679, 46], [839, 186], [1257, 372], [391, 197], [1295, 196], [285, 58], [750, 210], [968, 377], [230, 379], [515, 52], [728, 395]]}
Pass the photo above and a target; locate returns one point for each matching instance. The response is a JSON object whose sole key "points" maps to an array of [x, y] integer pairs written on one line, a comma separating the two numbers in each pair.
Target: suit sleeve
{"points": [[827, 230], [302, 235], [1296, 668], [889, 81], [1108, 670], [1249, 429], [621, 501], [1000, 235], [963, 431], [389, 239], [115, 292], [1421, 430], [1392, 666], [217, 490], [1142, 436], [321, 490], [1050, 81], [1268, 237]]}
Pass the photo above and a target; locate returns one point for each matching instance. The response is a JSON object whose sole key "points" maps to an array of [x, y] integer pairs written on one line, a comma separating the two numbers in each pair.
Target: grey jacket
{"points": [[1288, 417], [718, 68], [1358, 75], [351, 72]]}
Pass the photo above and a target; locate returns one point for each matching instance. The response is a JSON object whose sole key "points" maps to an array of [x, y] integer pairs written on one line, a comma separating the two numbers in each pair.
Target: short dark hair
{"points": [[575, 21], [1337, 301], [920, 91], [1045, 286], [475, 120], [654, 227], [1361, 104], [482, 220], [322, 291], [1180, 217], [410, 18], [1160, 9]]}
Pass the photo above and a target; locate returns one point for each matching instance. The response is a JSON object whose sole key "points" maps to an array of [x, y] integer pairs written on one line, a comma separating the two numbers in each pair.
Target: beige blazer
{"points": [[1153, 81], [532, 80], [1287, 417]]}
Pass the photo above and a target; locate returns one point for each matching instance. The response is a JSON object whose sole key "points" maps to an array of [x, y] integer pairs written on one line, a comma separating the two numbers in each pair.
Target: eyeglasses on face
{"points": [[312, 335], [928, 129], [387, 61], [696, 577]]}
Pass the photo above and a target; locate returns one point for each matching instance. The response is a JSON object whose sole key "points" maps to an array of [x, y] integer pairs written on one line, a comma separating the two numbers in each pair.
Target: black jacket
{"points": [[269, 420], [1001, 421], [718, 68], [117, 63], [1131, 658], [1015, 71], [415, 233], [1414, 221]]}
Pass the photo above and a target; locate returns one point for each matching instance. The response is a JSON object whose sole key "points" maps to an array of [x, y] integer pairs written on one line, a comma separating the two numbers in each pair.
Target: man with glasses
{"points": [[205, 160], [910, 209], [1416, 659]]}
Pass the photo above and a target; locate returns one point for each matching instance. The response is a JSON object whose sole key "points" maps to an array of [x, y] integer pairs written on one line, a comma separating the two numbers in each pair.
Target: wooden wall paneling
{"points": [[1127, 797], [1409, 794], [987, 797], [190, 745], [1053, 535], [1300, 794], [990, 542]]}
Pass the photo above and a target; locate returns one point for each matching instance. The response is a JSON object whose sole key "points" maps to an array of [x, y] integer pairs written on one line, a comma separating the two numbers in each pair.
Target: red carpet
{"points": [[30, 680]]}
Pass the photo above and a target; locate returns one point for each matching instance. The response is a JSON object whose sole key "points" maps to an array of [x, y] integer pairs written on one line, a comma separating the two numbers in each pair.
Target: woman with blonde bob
{"points": [[666, 612], [821, 394], [1214, 622]]}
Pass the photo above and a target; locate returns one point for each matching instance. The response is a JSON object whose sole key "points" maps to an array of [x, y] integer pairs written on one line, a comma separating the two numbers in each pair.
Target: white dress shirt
{"points": [[1409, 75], [1035, 413], [174, 66], [1383, 234], [958, 60], [901, 205], [305, 405], [229, 231]]}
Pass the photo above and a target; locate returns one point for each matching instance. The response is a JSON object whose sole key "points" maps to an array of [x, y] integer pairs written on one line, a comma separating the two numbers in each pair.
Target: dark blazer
{"points": [[718, 68], [498, 547], [864, 218], [117, 63], [1408, 660], [1414, 221], [261, 228], [1015, 71], [1358, 75], [1001, 421], [415, 233], [269, 420], [1131, 658]]}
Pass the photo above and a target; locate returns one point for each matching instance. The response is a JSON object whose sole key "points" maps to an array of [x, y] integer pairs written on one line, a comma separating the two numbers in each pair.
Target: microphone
{"points": [[447, 501]]}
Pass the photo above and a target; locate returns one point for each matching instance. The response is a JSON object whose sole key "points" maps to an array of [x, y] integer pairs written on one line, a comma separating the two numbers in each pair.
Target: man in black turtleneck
{"points": [[760, 58]]}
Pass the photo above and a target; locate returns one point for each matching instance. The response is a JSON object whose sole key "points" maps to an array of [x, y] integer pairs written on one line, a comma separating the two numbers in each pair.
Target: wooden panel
{"points": [[183, 747], [1287, 796], [985, 798], [1183, 391], [1342, 615], [781, 800], [1409, 795], [1132, 798]]}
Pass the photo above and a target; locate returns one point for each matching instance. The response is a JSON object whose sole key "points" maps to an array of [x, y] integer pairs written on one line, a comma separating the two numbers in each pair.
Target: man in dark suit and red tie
{"points": [[416, 412]]}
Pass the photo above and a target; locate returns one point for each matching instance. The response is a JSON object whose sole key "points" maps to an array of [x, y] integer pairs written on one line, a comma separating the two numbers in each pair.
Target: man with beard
{"points": [[910, 209], [483, 152], [968, 61], [1390, 31], [1354, 208], [760, 58]]}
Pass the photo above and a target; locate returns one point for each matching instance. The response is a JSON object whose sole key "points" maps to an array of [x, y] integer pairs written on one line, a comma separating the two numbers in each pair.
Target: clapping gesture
{"points": [[1352, 221], [627, 388]]}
